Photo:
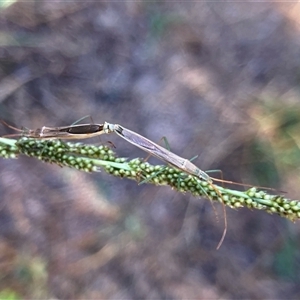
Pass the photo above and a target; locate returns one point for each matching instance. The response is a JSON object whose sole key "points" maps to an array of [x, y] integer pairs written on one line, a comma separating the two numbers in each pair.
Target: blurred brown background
{"points": [[219, 80]]}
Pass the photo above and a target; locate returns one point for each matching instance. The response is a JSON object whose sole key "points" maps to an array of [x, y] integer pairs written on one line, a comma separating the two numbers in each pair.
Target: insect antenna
{"points": [[242, 184], [21, 131], [11, 127]]}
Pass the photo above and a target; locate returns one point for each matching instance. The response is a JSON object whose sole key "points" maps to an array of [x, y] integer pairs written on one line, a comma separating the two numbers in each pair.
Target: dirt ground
{"points": [[219, 80]]}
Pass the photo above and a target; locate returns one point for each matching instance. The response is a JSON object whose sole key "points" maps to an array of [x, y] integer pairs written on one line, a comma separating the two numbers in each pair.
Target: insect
{"points": [[78, 131], [168, 157], [156, 150]]}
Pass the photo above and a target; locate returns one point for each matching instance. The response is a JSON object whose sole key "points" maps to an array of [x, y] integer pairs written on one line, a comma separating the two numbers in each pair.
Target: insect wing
{"points": [[150, 147]]}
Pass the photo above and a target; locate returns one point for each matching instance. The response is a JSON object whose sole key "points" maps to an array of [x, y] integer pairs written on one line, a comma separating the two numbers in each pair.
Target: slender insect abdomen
{"points": [[160, 152]]}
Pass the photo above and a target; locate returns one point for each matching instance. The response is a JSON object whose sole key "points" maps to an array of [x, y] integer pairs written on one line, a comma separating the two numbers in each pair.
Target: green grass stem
{"points": [[91, 158]]}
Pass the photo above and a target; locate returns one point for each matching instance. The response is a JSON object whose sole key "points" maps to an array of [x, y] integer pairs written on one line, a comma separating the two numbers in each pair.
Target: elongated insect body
{"points": [[156, 150], [80, 131]]}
